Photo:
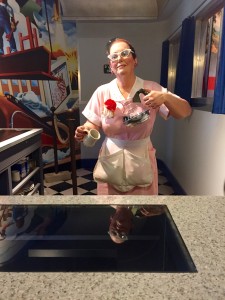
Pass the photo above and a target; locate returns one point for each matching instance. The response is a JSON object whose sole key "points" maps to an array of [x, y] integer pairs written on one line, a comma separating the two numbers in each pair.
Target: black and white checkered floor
{"points": [[86, 185]]}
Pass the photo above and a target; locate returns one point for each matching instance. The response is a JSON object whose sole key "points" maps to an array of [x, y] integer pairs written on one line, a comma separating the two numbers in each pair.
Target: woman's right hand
{"points": [[80, 132]]}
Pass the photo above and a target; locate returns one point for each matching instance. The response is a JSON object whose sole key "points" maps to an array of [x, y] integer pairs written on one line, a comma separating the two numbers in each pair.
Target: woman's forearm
{"points": [[178, 107]]}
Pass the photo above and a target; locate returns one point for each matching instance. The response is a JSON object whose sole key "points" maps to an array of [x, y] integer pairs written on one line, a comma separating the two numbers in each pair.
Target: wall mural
{"points": [[38, 70]]}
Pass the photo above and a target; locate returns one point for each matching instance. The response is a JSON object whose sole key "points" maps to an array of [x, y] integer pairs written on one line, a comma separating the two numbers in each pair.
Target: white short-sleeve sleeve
{"points": [[164, 112], [92, 111]]}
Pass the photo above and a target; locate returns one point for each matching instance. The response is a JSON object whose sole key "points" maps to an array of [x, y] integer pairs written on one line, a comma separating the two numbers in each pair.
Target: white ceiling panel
{"points": [[117, 10]]}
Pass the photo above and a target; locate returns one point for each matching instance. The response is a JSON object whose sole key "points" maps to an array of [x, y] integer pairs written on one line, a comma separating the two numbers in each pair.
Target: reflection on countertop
{"points": [[12, 136], [91, 238], [200, 220]]}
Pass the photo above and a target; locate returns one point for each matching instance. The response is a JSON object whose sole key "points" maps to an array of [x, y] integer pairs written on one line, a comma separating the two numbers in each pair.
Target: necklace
{"points": [[124, 92]]}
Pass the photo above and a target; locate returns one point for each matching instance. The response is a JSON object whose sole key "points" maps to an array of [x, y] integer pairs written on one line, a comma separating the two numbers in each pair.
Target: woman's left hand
{"points": [[154, 99]]}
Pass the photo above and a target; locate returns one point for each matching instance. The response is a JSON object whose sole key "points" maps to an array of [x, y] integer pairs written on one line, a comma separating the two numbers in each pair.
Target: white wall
{"points": [[198, 148], [194, 148], [195, 151]]}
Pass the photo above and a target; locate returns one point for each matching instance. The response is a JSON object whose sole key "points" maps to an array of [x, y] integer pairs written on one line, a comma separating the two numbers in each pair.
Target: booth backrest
{"points": [[14, 116]]}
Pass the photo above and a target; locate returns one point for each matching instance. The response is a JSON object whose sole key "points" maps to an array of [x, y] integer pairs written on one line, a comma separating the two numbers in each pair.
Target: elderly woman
{"points": [[126, 109]]}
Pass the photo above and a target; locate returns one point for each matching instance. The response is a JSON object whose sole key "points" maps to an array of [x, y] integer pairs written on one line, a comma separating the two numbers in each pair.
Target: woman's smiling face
{"points": [[123, 65]]}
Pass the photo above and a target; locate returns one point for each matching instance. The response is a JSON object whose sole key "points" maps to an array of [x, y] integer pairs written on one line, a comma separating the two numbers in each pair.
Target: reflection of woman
{"points": [[121, 223], [139, 176]]}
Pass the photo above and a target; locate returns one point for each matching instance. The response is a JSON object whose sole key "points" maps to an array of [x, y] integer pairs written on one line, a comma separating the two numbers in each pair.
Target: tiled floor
{"points": [[86, 185]]}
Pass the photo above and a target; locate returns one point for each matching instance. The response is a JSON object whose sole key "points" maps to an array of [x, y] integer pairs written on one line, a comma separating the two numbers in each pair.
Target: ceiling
{"points": [[148, 10]]}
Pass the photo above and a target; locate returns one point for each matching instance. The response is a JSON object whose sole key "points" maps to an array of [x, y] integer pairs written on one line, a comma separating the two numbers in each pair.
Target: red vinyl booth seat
{"points": [[13, 116]]}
